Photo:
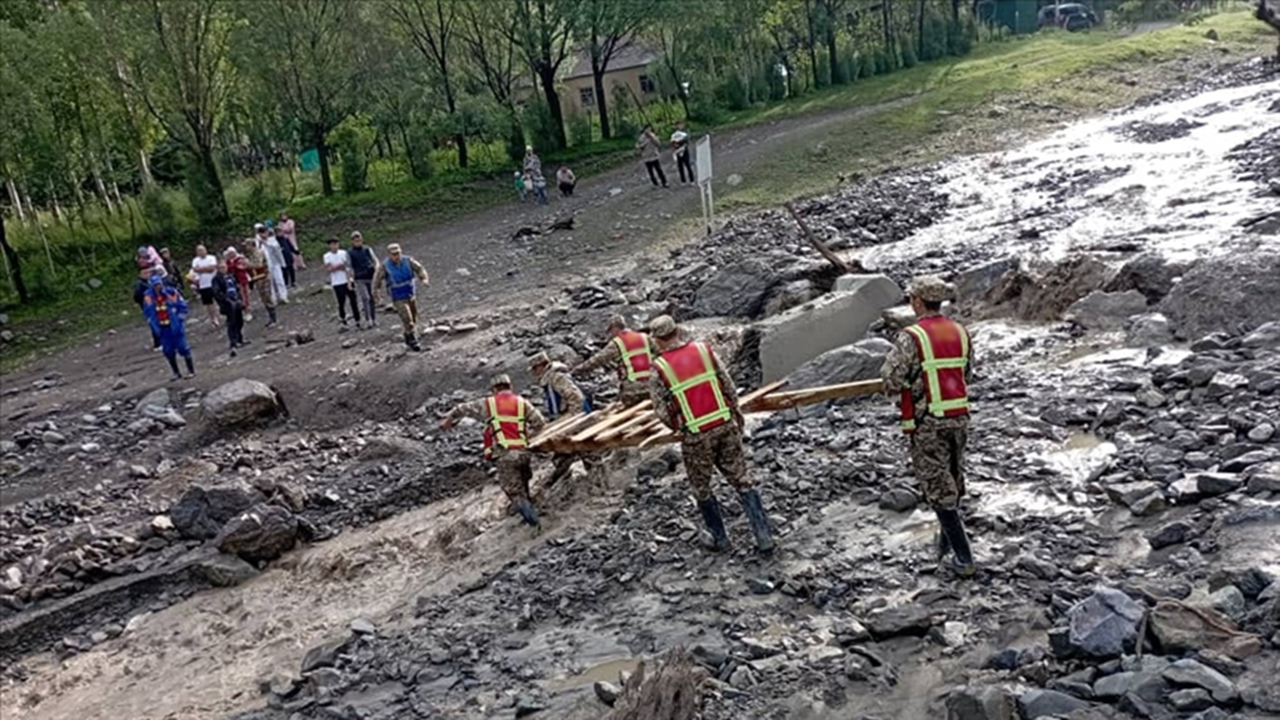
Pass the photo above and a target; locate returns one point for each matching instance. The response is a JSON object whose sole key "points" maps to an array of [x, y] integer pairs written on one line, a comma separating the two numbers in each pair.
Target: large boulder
{"points": [[263, 532], [849, 363], [1149, 273], [1105, 624], [242, 401], [984, 702], [1148, 330], [1106, 311], [1178, 628], [1226, 292], [737, 291], [202, 511]]}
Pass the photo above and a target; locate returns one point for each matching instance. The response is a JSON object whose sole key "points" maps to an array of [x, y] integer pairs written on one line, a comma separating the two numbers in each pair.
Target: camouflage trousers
{"points": [[515, 470], [720, 448], [632, 393], [562, 465], [937, 456], [262, 288], [408, 312]]}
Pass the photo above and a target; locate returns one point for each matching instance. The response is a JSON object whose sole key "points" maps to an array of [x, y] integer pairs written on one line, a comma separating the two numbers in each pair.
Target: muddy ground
{"points": [[1126, 441]]}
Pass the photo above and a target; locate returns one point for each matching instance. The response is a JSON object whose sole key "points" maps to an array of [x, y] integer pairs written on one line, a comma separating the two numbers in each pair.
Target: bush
{"points": [[937, 39], [581, 131], [515, 141], [353, 139], [159, 211], [909, 59], [960, 36], [731, 93], [540, 127], [866, 64], [418, 152]]}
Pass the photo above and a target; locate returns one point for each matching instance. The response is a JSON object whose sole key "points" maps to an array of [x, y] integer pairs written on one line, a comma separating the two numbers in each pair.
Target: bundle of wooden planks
{"points": [[614, 426]]}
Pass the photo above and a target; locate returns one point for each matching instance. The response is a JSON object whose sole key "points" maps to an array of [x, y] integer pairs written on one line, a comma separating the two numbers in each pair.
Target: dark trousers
{"points": [[290, 274], [684, 163], [235, 325], [566, 189], [656, 175], [346, 295]]}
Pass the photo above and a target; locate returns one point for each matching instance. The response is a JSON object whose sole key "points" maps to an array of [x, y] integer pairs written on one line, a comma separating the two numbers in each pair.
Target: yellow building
{"points": [[633, 66]]}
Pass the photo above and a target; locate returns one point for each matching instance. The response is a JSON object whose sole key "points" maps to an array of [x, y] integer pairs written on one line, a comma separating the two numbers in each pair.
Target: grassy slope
{"points": [[1072, 73]]}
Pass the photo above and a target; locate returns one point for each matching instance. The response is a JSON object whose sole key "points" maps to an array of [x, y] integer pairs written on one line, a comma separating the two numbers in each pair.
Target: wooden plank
{"points": [[628, 426], [782, 401], [563, 426], [817, 244], [611, 421], [761, 392]]}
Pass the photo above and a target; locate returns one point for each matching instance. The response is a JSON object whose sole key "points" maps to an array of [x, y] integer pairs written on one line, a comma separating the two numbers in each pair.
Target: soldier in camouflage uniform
{"points": [[693, 395], [633, 372], [563, 399], [513, 462], [928, 370]]}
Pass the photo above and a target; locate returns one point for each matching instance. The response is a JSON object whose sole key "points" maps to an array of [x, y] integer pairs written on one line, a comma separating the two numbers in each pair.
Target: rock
{"points": [[157, 399], [901, 620], [1128, 494], [737, 291], [1260, 691], [1148, 330], [1190, 700], [1044, 703], [1149, 505], [1264, 483], [1171, 534], [849, 363], [981, 703], [1262, 433], [242, 401], [1146, 685], [1179, 629], [201, 512], [899, 500], [973, 286], [263, 532], [760, 586], [1211, 35], [788, 295], [950, 634], [1106, 311], [1149, 273], [1226, 291], [527, 706], [1191, 672], [53, 437], [1265, 336], [607, 692], [1243, 462], [1252, 582], [363, 626], [1225, 383], [386, 447], [225, 570], [1229, 601], [1105, 624], [323, 655], [1150, 397]]}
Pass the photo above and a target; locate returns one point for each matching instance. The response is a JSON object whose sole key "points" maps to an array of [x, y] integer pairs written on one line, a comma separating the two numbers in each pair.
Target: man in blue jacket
{"points": [[166, 312]]}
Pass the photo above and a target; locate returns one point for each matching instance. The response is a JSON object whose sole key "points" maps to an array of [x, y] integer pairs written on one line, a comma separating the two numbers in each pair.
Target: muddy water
{"points": [[1178, 196]]}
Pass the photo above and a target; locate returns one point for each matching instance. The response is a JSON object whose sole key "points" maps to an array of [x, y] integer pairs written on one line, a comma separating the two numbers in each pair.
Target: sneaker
{"points": [[233, 352], [248, 317], [962, 570], [175, 378]]}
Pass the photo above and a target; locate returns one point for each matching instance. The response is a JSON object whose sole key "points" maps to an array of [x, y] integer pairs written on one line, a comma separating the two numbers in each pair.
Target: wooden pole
{"points": [[818, 245]]}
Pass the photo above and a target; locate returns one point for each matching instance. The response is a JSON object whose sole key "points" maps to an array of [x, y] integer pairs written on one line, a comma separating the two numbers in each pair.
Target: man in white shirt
{"points": [[205, 266], [338, 264]]}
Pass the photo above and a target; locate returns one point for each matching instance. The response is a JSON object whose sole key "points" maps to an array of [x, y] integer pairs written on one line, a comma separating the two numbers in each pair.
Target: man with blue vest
{"points": [[402, 274], [563, 398], [928, 371], [166, 313]]}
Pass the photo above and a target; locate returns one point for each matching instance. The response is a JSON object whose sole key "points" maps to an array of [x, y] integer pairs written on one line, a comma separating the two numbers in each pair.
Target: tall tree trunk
{"points": [[144, 168], [460, 141], [813, 41], [14, 262], [547, 77], [920, 32], [832, 61], [602, 103], [955, 11], [888, 28], [16, 199], [326, 180], [214, 195]]}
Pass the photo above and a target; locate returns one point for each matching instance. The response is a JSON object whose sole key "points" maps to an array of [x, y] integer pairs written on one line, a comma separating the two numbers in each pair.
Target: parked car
{"points": [[1068, 16]]}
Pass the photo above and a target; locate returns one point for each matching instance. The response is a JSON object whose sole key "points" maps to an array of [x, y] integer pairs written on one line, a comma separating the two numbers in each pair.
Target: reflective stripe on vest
{"points": [[695, 387], [637, 357], [908, 405], [506, 423], [943, 361], [399, 278]]}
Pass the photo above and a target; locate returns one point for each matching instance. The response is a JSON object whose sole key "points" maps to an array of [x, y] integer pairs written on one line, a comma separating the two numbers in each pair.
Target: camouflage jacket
{"points": [[901, 370]]}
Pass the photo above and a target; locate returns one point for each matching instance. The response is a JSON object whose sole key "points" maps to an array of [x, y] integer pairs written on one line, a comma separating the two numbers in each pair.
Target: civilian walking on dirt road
{"points": [[364, 265], [650, 150], [680, 151], [226, 292], [338, 264], [401, 274], [289, 230], [205, 266]]}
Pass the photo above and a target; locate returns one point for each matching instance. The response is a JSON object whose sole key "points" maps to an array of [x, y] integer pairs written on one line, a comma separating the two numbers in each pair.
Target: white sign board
{"points": [[702, 154]]}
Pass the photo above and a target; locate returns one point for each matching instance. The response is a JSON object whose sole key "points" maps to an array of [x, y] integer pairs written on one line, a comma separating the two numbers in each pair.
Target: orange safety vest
{"points": [[689, 372], [505, 427], [943, 348], [637, 357]]}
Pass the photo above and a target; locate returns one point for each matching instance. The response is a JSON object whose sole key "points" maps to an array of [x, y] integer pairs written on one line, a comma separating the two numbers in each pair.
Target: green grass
{"points": [[947, 103], [943, 111]]}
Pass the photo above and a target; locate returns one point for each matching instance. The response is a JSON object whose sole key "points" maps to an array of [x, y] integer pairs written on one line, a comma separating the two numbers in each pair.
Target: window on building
{"points": [[588, 97], [646, 84]]}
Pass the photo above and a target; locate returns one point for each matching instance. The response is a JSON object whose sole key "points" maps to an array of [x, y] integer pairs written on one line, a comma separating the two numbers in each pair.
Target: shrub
{"points": [[159, 211], [353, 138], [909, 59], [581, 131]]}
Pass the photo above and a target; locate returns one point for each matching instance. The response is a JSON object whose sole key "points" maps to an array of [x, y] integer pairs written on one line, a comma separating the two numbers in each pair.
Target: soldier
{"points": [[508, 421], [259, 278], [929, 369], [563, 398], [694, 396], [401, 274], [631, 354]]}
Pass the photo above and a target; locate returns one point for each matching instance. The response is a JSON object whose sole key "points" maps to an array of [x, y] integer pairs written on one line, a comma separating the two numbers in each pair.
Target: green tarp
{"points": [[310, 160]]}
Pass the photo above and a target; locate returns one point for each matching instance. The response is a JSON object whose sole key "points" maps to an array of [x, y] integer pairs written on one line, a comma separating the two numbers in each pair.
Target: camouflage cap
{"points": [[931, 288], [502, 379], [540, 359], [616, 321], [663, 327]]}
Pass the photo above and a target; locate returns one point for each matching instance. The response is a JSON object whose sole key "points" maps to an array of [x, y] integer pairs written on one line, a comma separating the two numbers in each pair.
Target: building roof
{"points": [[632, 56]]}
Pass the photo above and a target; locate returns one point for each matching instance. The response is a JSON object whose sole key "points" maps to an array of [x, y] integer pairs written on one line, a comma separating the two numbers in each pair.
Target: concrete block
{"points": [[842, 317]]}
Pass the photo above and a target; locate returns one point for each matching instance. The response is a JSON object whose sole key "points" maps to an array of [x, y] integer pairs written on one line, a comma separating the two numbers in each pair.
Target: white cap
{"points": [[259, 226]]}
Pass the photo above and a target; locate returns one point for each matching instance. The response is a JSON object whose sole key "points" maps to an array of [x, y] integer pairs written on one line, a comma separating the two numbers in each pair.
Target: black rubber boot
{"points": [[953, 530], [714, 520], [527, 512], [191, 366], [411, 342], [173, 365], [759, 521]]}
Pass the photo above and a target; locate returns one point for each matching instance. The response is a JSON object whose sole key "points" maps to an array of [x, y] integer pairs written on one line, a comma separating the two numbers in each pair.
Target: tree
{"points": [[493, 53], [830, 11], [176, 60], [310, 52], [14, 264], [432, 28], [610, 26], [542, 29]]}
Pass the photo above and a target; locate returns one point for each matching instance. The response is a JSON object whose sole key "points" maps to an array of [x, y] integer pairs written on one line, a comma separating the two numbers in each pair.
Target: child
{"points": [[540, 188], [521, 190]]}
